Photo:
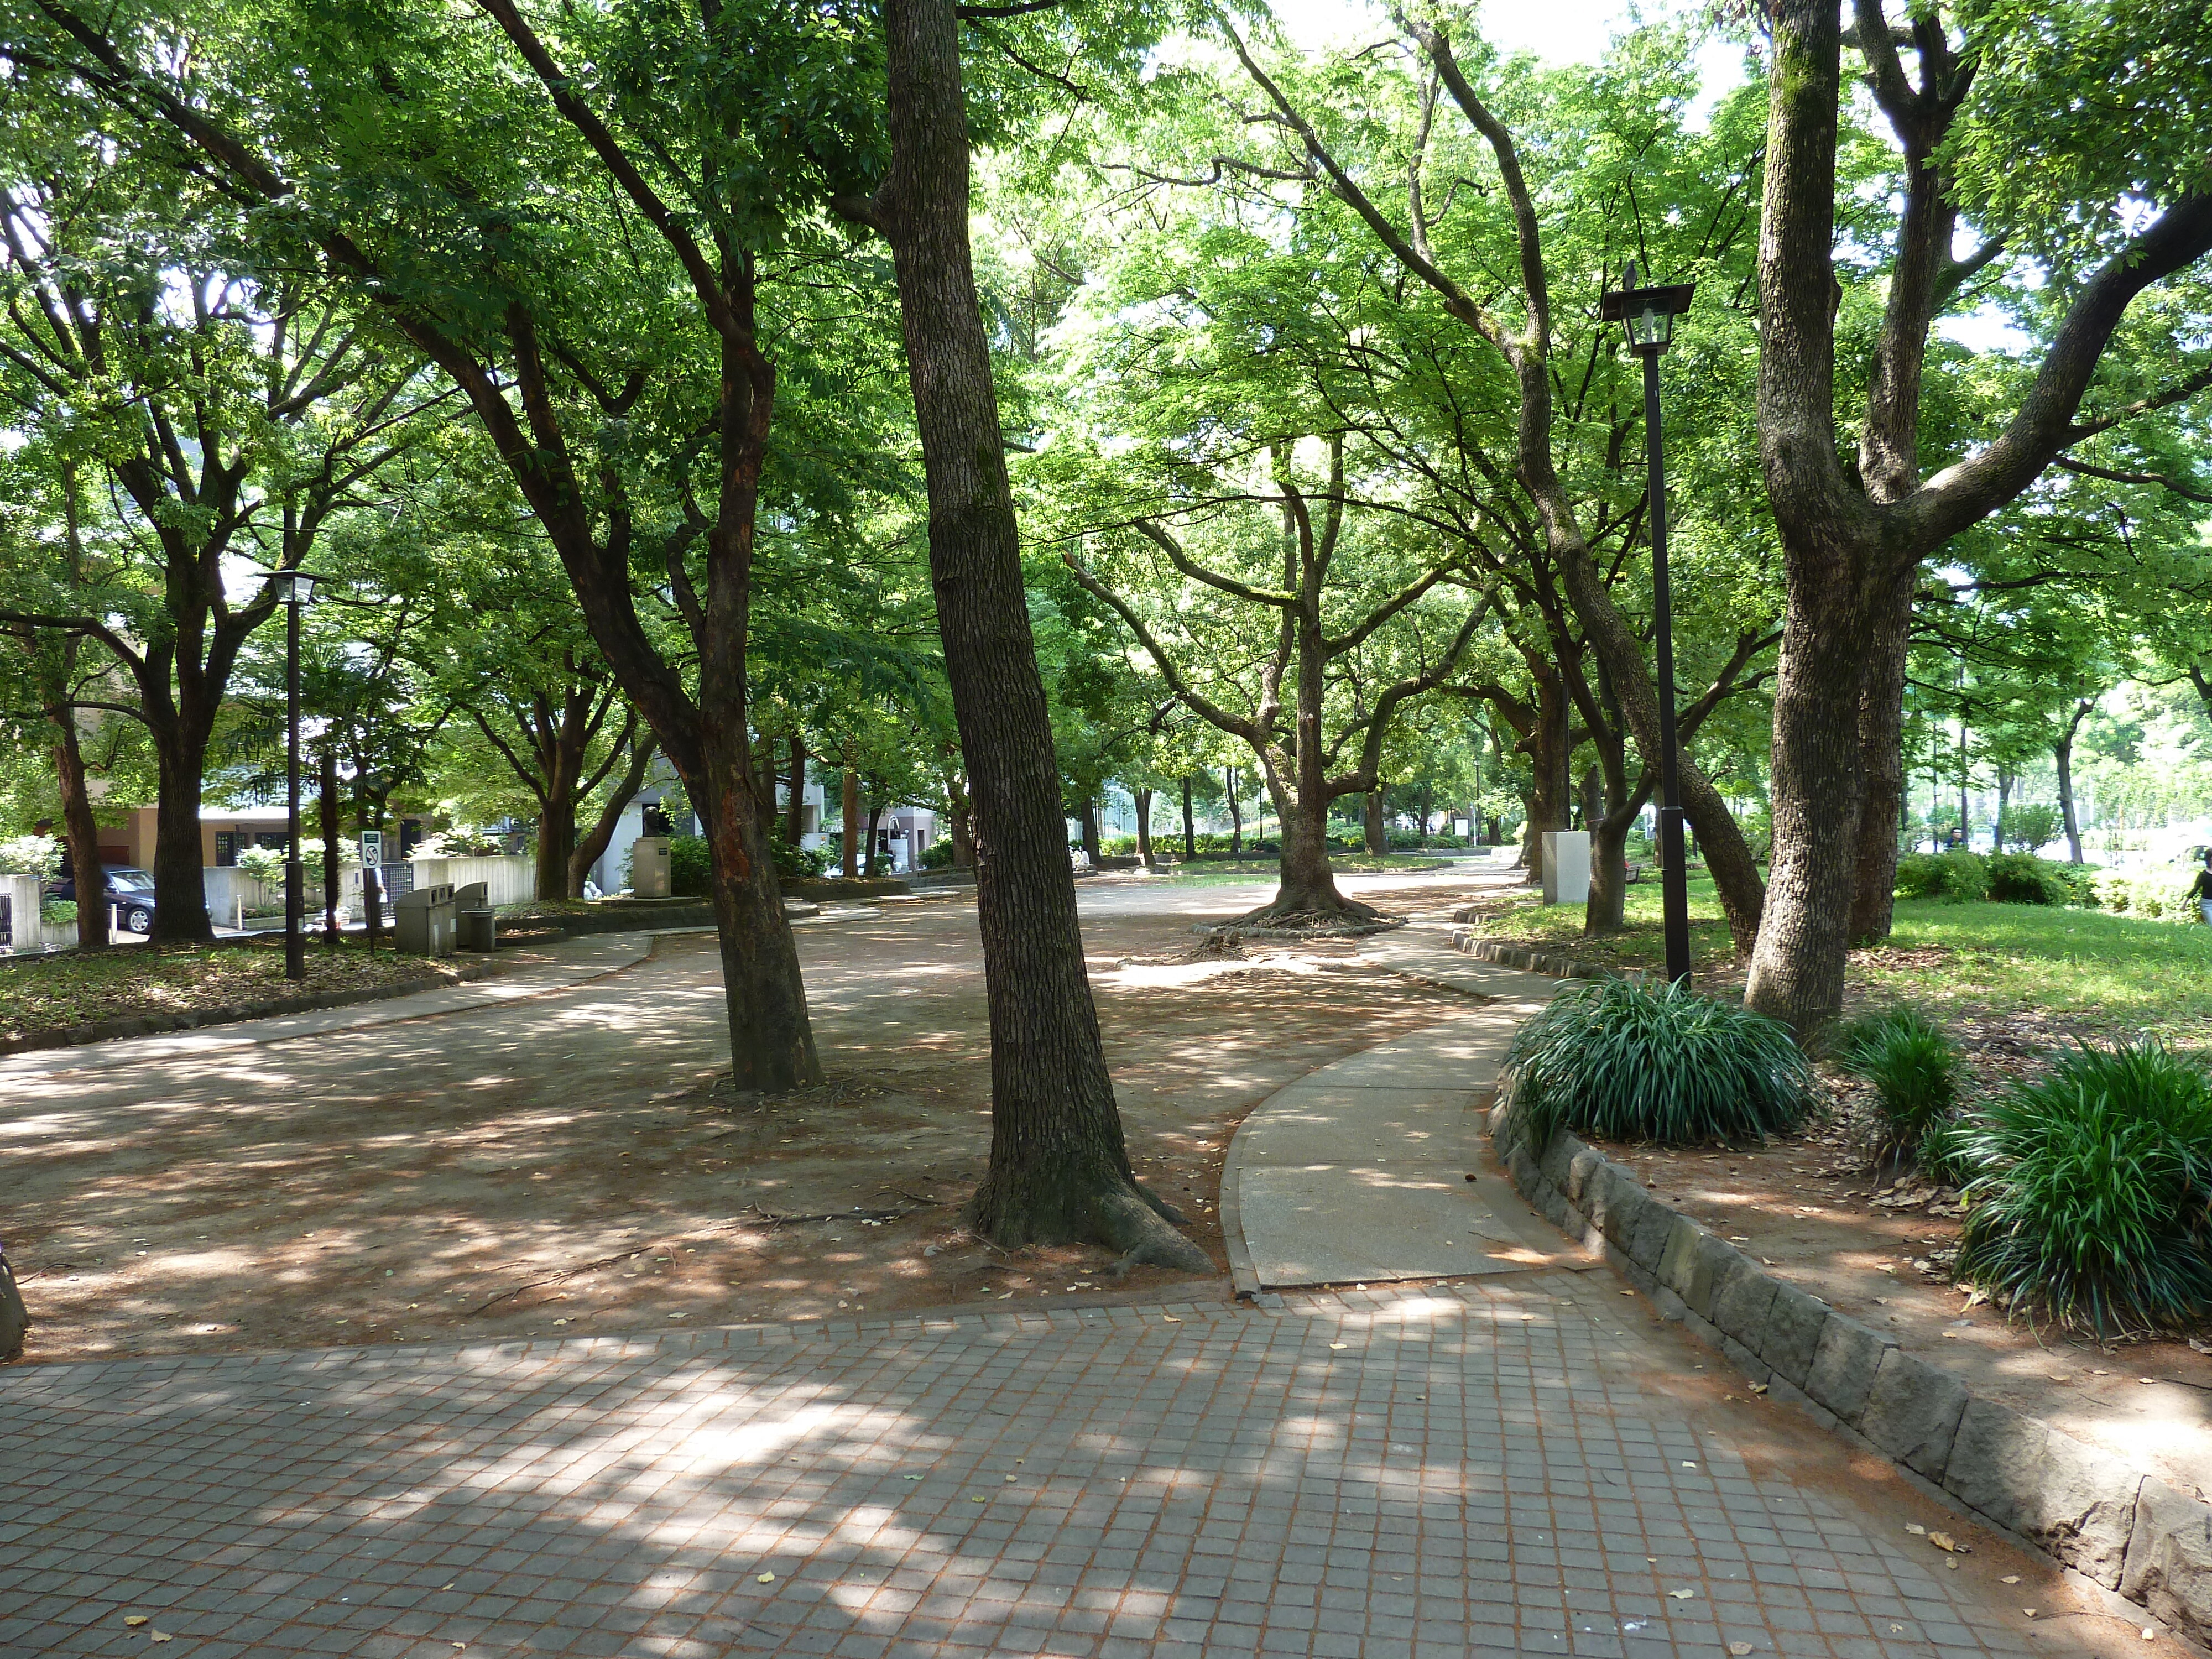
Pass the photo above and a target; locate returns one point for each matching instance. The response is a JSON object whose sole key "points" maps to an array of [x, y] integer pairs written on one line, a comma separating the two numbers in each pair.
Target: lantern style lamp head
{"points": [[1646, 314], [295, 588]]}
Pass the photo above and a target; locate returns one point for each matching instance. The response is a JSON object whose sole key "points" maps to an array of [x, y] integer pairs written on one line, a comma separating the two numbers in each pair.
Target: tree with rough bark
{"points": [[1059, 1166], [2052, 134], [1538, 369], [604, 228], [1271, 633]]}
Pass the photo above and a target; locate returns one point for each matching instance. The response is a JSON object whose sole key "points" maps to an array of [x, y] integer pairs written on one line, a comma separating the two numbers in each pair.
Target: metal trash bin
{"points": [[425, 922], [479, 930]]}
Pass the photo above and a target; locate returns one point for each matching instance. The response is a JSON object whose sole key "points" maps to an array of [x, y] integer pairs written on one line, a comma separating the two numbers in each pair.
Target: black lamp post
{"points": [[296, 590], [1648, 314]]}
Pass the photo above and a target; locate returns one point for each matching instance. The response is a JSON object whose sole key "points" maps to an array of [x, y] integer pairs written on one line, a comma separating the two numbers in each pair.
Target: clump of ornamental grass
{"points": [[1914, 1068], [2093, 1203], [1622, 1062]]}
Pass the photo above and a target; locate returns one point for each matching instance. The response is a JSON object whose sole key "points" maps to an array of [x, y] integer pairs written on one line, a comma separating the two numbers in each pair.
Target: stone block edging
{"points": [[1556, 963], [2125, 1529]]}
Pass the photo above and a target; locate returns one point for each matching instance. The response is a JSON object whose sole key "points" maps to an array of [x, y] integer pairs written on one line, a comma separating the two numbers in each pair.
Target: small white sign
{"points": [[372, 848]]}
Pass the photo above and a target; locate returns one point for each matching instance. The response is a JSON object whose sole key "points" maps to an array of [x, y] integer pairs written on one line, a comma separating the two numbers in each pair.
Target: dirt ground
{"points": [[572, 1163], [1808, 1207]]}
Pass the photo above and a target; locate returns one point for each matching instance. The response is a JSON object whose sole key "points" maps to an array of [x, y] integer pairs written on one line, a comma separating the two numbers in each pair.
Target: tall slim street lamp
{"points": [[296, 590], [1648, 315]]}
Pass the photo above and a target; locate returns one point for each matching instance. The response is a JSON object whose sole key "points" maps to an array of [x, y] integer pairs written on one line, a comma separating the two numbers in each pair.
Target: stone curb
{"points": [[1555, 962], [2125, 1530]]}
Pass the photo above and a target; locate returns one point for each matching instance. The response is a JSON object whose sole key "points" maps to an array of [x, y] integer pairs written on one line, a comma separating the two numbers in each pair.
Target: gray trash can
{"points": [[480, 930], [424, 922]]}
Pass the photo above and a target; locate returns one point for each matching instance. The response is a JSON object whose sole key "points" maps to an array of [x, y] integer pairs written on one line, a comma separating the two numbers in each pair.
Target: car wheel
{"points": [[138, 919]]}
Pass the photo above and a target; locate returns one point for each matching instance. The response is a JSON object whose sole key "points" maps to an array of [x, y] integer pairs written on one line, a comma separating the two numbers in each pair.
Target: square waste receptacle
{"points": [[479, 930], [648, 868], [424, 922]]}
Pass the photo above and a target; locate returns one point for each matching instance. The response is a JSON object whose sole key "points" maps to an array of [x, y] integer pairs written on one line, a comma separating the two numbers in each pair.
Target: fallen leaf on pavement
{"points": [[768, 1578], [1916, 1530], [1682, 1596], [1739, 1648], [1340, 1344], [134, 1620], [2011, 1578], [161, 1635]]}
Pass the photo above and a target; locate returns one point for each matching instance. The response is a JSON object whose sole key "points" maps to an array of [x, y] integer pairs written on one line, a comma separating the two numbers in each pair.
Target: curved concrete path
{"points": [[1370, 1170]]}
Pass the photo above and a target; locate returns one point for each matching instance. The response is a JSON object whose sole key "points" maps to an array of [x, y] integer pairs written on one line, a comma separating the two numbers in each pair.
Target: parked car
{"points": [[129, 890]]}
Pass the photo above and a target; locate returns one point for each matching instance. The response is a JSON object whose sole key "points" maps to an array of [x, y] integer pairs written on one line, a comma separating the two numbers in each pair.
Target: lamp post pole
{"points": [[295, 945], [1673, 874], [1648, 314]]}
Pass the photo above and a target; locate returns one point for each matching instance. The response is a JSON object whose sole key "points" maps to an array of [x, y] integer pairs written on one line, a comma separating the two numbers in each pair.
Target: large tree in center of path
{"points": [[2077, 131], [1059, 1167], [1359, 661], [1487, 253]]}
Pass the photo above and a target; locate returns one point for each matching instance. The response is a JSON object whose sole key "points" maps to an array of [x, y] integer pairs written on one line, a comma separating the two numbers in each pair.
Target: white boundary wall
{"points": [[506, 880]]}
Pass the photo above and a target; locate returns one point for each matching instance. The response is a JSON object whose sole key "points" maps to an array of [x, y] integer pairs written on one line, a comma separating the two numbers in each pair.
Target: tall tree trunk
{"points": [[962, 819], [849, 813], [1189, 826], [2004, 801], [1428, 808], [1606, 910], [556, 837], [1089, 822], [794, 810], [1965, 825], [1881, 766], [875, 820], [772, 1035], [181, 912], [1059, 1167], [1144, 799], [326, 810], [592, 844], [1307, 888], [1377, 833], [2062, 759], [1235, 818], [80, 833]]}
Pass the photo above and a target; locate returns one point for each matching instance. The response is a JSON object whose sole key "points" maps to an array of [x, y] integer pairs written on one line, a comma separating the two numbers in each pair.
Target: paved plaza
{"points": [[1516, 1459], [1513, 1466]]}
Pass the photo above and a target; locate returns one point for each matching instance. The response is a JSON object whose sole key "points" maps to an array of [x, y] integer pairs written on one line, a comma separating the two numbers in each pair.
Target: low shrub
{"points": [[792, 863], [690, 866], [938, 855], [463, 841], [1957, 876], [2158, 893], [1117, 847], [2024, 878], [1914, 1068], [58, 913], [2094, 1191], [2033, 827], [1621, 1061]]}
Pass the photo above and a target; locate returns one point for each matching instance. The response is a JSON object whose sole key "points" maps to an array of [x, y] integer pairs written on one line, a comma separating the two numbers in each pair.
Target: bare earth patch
{"points": [[576, 1162]]}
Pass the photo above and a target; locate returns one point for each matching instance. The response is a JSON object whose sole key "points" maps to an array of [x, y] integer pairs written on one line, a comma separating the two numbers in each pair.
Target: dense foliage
{"points": [[1914, 1068], [1667, 1065], [2093, 1205]]}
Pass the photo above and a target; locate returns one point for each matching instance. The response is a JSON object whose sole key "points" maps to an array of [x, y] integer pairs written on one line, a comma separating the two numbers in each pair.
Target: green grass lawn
{"points": [[46, 993], [2116, 972]]}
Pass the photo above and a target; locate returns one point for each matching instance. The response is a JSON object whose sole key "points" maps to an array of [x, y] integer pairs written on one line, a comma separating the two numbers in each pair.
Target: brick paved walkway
{"points": [[1519, 1465]]}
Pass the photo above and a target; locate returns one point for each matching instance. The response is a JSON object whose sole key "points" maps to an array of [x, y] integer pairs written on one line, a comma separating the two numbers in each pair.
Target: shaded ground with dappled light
{"points": [[572, 1163]]}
